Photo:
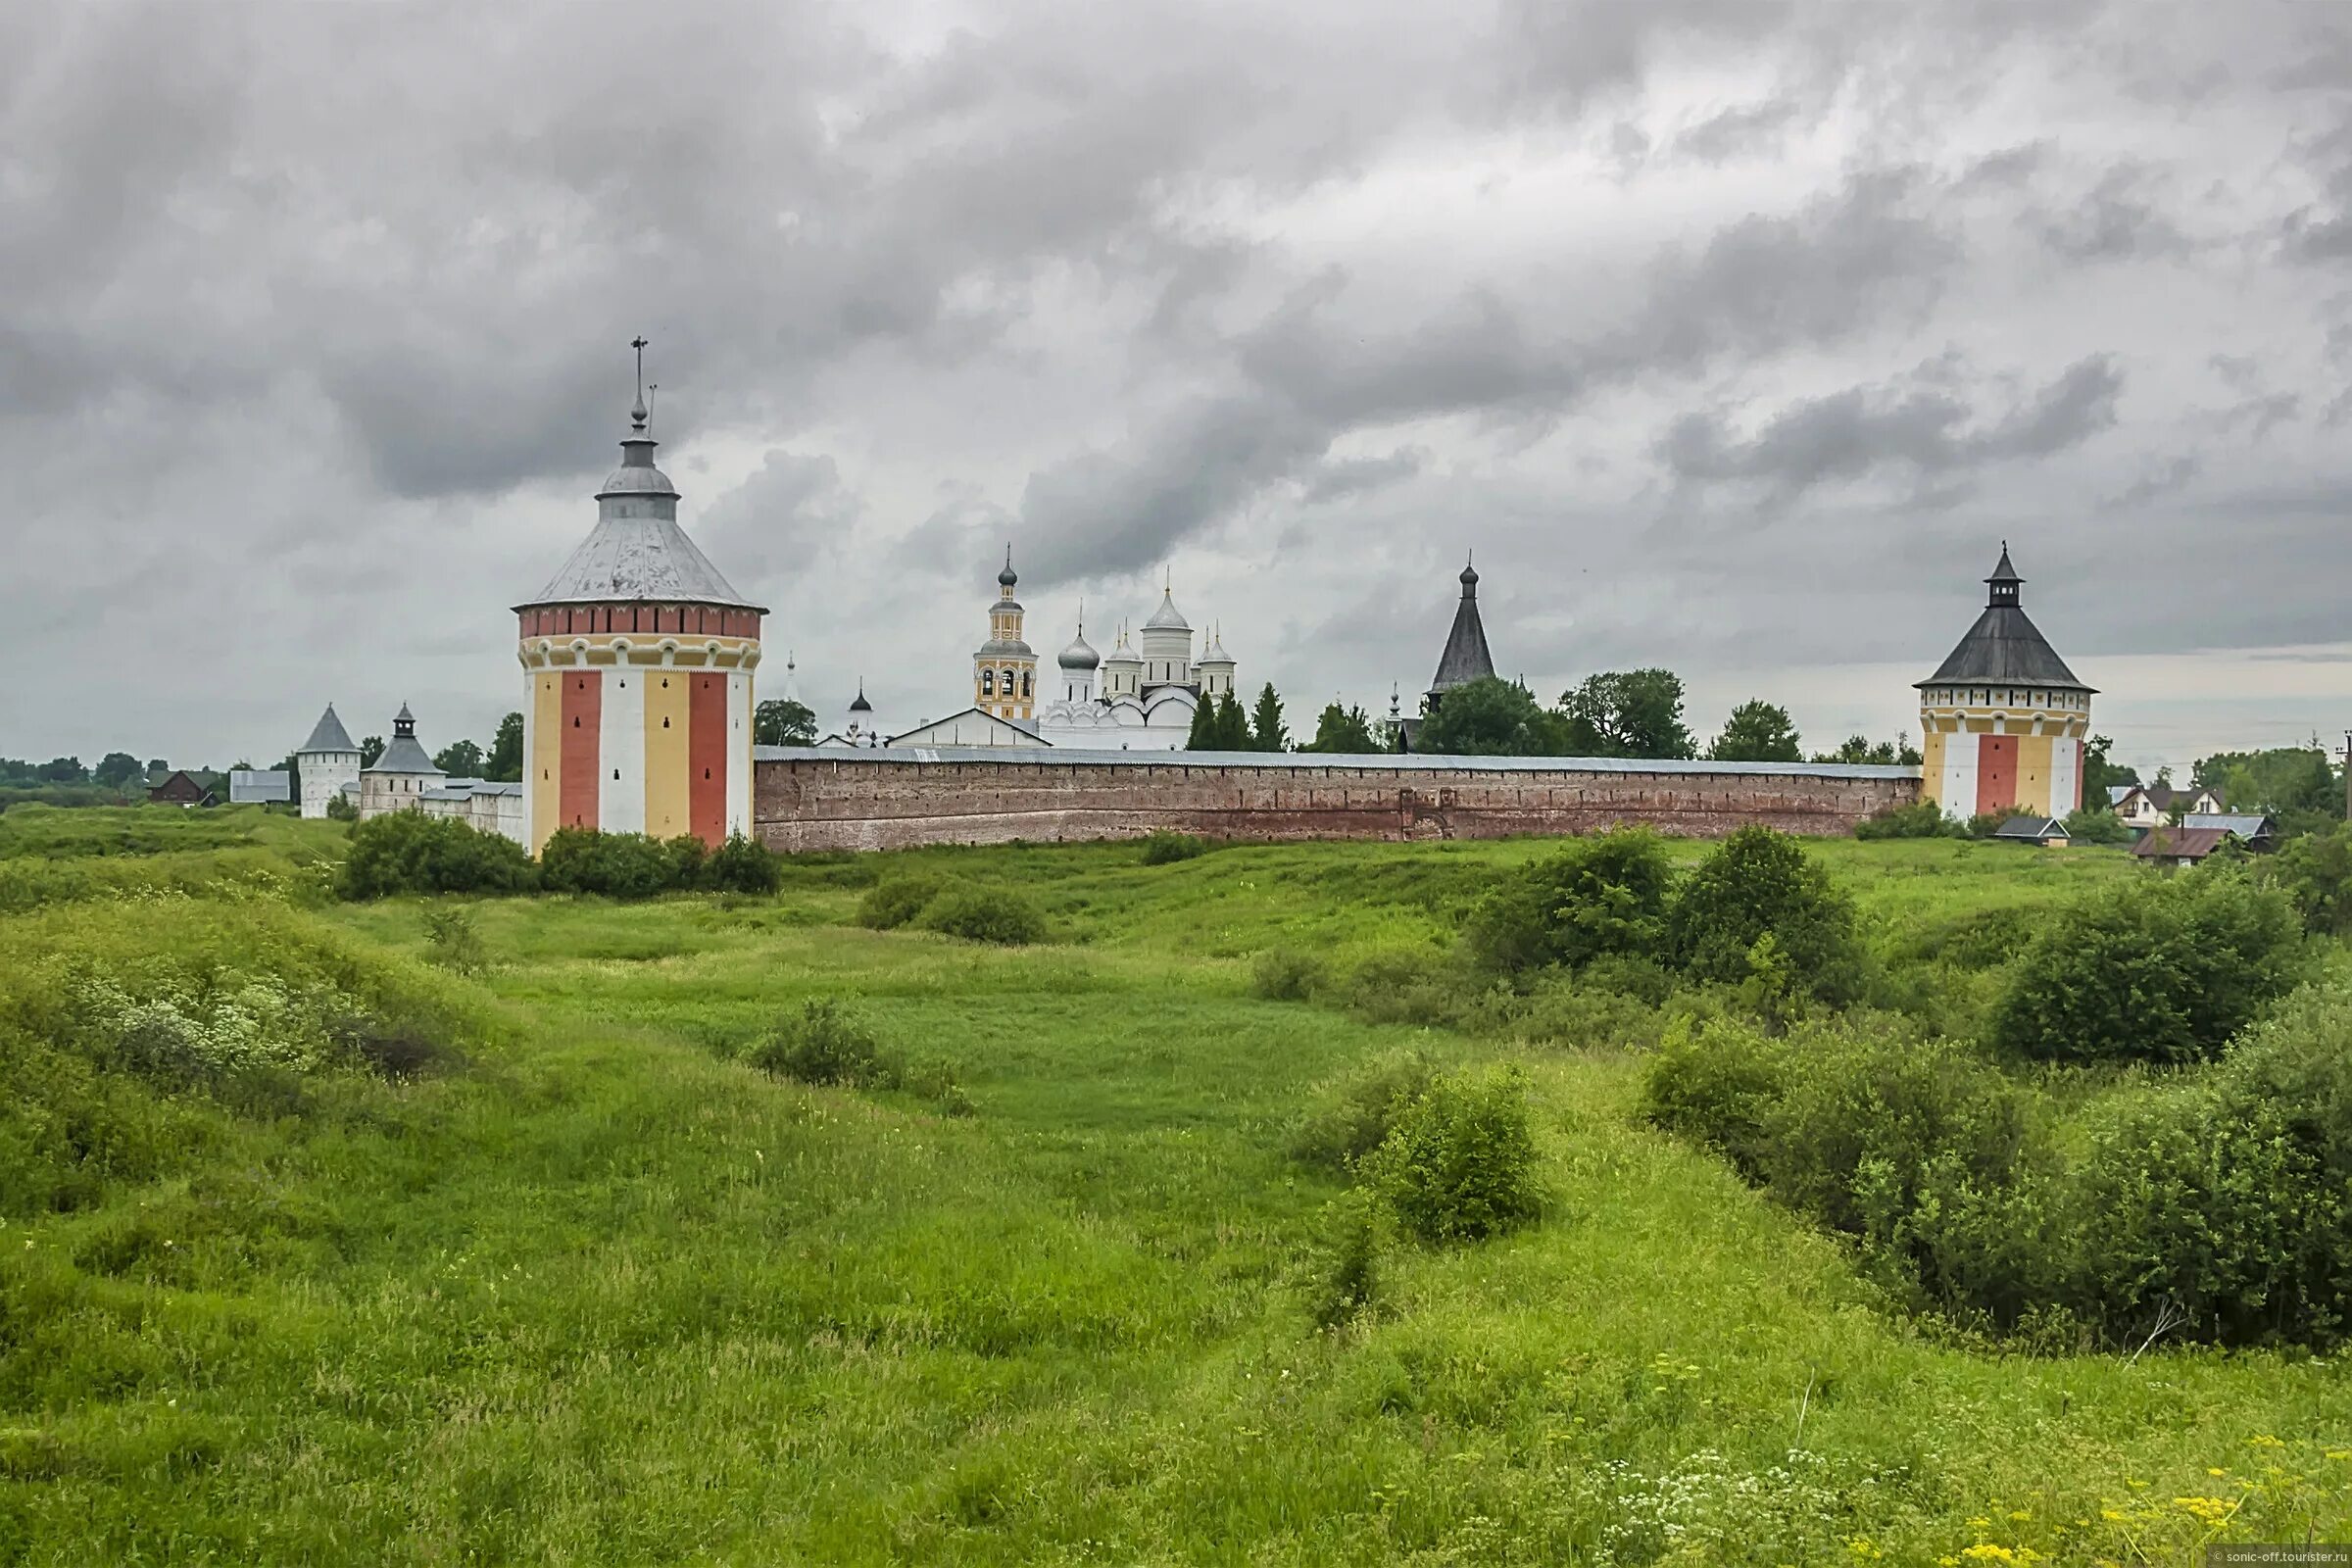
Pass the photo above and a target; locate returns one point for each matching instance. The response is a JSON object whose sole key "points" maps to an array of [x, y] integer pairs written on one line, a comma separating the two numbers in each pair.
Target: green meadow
{"points": [[566, 1280]]}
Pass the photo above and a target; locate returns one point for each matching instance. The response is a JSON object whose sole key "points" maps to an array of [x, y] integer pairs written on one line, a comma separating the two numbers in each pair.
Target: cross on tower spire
{"points": [[637, 409]]}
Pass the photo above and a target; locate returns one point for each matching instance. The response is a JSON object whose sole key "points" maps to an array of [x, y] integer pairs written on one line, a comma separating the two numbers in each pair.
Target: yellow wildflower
{"points": [[2214, 1470], [2266, 1441], [1979, 1524], [2213, 1510], [1986, 1551], [2020, 1514]]}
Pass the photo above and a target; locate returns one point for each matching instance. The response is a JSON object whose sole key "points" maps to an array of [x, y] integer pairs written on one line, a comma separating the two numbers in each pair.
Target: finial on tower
{"points": [[638, 413]]}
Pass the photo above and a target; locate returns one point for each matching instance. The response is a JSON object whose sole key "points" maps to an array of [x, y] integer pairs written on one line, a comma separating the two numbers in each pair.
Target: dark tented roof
{"points": [[1465, 658], [2003, 645], [329, 735]]}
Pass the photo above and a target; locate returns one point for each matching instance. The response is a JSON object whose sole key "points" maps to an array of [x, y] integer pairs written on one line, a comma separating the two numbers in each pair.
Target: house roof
{"points": [[1465, 658], [2004, 644], [2031, 827], [327, 735], [2182, 843], [252, 785], [2245, 824], [990, 720], [2164, 797]]}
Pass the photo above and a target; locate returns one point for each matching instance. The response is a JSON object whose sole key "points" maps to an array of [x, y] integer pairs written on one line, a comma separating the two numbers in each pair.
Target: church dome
{"points": [[1080, 654], [1167, 618]]}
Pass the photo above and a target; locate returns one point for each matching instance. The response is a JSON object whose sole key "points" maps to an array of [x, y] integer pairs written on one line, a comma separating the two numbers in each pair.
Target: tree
{"points": [[504, 764], [1759, 907], [1233, 725], [1266, 733], [460, 759], [291, 767], [370, 748], [2099, 775], [2096, 824], [1344, 731], [116, 770], [1488, 717], [2286, 778], [63, 771], [1757, 732], [1634, 712], [781, 721], [158, 765], [1203, 736]]}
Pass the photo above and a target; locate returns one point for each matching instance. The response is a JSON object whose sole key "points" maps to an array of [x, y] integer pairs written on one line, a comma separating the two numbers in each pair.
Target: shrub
{"points": [[895, 900], [1598, 897], [2162, 969], [1356, 1114], [2095, 824], [823, 1045], [619, 865], [455, 942], [1717, 1084], [1418, 986], [2314, 872], [1164, 848], [1347, 1281], [1459, 1164], [408, 852], [1285, 974], [985, 914], [743, 865], [341, 808], [687, 856], [1760, 884], [1923, 819]]}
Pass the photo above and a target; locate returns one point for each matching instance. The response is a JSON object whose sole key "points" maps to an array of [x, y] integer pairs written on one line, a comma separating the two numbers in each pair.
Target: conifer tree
{"points": [[1266, 733], [1233, 725], [1203, 736]]}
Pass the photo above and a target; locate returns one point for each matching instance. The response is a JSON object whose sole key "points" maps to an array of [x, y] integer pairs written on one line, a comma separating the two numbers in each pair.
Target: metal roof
{"points": [[1167, 618], [2005, 646], [637, 551], [2031, 827], [2245, 824], [1465, 658], [252, 785], [1318, 761], [2182, 843], [327, 735]]}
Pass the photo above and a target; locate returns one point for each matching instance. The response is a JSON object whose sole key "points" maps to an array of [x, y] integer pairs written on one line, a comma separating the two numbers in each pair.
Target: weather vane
{"points": [[638, 413]]}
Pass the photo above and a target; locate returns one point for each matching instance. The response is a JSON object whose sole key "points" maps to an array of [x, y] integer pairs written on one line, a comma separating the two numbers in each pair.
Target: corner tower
{"points": [[637, 659], [1005, 668], [2004, 717], [1465, 658]]}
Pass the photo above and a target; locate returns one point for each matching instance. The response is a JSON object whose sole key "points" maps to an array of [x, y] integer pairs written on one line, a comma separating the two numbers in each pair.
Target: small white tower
{"points": [[859, 728], [1079, 661], [1216, 668], [1123, 670], [329, 763], [1167, 645], [399, 779]]}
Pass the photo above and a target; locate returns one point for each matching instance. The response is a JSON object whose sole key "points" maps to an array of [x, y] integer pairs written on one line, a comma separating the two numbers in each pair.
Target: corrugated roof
{"points": [[2182, 843], [637, 551], [327, 735], [1465, 658], [2031, 827], [2245, 824], [249, 786]]}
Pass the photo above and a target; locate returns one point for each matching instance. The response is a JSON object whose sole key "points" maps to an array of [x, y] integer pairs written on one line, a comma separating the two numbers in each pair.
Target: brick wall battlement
{"points": [[810, 799]]}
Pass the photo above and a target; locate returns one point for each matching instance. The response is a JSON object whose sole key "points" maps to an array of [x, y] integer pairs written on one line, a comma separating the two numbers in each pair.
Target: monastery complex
{"points": [[639, 660]]}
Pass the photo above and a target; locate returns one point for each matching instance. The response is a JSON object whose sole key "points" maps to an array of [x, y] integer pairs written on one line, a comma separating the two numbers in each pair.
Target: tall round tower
{"points": [[2004, 717], [1167, 645], [1005, 668], [638, 659]]}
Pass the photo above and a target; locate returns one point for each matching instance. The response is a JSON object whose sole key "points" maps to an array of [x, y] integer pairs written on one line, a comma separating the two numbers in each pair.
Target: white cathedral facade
{"points": [[1140, 696]]}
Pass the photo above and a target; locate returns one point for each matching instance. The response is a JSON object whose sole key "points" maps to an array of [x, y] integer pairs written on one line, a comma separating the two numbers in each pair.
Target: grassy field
{"points": [[599, 1293]]}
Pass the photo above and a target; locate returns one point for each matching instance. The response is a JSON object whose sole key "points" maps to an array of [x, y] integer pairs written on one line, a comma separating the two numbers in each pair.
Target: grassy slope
{"points": [[611, 1297]]}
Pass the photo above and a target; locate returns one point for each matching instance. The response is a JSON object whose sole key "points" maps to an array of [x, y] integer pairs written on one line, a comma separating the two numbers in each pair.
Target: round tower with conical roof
{"points": [[1167, 645], [328, 762], [2004, 718], [1005, 668], [1215, 672], [638, 658]]}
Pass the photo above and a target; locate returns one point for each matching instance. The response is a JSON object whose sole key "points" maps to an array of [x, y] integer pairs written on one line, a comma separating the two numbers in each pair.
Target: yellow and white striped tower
{"points": [[638, 659], [2004, 718], [1005, 668]]}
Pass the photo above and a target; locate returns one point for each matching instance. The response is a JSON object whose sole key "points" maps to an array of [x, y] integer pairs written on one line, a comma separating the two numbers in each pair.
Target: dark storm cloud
{"points": [[1719, 326]]}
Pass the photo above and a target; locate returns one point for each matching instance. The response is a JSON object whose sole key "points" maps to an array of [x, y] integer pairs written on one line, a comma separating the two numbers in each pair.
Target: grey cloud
{"points": [[790, 515], [1863, 430], [1748, 131], [1344, 478], [2172, 475], [2112, 221]]}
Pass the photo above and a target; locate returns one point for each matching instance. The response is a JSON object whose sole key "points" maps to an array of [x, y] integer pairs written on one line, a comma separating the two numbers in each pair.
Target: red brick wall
{"points": [[876, 801]]}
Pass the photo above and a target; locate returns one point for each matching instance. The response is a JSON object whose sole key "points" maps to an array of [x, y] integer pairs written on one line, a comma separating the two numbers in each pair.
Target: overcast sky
{"points": [[1735, 337]]}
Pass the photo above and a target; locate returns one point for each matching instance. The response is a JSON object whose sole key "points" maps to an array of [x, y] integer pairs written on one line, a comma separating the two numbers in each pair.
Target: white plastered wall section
{"points": [[1958, 787], [324, 775], [739, 752], [620, 752]]}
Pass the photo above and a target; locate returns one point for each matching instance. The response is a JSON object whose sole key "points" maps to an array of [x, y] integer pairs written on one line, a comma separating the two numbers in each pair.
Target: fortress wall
{"points": [[807, 799]]}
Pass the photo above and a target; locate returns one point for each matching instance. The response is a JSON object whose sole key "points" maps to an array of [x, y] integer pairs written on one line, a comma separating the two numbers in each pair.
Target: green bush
{"points": [[1718, 1084], [2095, 824], [454, 939], [408, 852], [2156, 968], [743, 865], [1349, 1279], [1352, 1117], [2315, 871], [824, 1045], [1595, 897], [1164, 848], [1286, 974], [617, 865], [1459, 1164], [1759, 885], [985, 914], [1419, 986], [1923, 819], [897, 900]]}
